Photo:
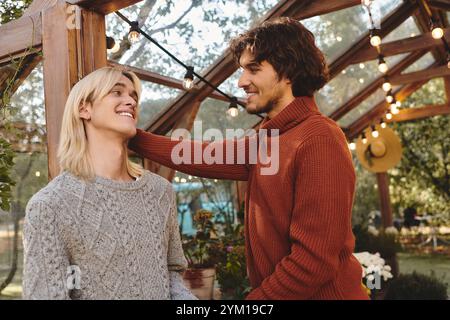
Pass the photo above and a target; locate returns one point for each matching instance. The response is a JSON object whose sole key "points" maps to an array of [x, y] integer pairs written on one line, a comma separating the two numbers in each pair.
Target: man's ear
{"points": [[85, 111]]}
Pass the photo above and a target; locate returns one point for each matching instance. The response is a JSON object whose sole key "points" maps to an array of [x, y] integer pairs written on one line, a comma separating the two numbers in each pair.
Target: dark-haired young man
{"points": [[299, 240]]}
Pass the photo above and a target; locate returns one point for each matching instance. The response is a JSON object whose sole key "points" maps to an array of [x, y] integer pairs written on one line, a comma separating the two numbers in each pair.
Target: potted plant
{"points": [[202, 252], [232, 270]]}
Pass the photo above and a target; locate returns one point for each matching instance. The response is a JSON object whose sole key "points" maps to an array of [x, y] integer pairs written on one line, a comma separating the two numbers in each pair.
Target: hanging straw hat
{"points": [[381, 153]]}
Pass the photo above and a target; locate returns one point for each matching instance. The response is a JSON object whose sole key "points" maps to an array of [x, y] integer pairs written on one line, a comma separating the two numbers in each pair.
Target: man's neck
{"points": [[109, 156], [281, 104]]}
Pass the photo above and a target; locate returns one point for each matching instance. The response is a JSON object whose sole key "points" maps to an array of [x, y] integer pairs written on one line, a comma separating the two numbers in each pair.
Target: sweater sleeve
{"points": [[45, 259], [321, 216], [175, 258], [164, 150]]}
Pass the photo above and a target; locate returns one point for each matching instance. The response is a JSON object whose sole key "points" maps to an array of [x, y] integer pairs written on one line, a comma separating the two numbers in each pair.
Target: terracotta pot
{"points": [[200, 282]]}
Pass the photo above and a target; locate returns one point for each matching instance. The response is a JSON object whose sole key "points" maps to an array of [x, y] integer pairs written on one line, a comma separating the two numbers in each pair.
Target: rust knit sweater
{"points": [[299, 241]]}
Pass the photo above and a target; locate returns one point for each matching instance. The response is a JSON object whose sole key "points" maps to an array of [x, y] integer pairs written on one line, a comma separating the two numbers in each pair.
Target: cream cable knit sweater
{"points": [[103, 239]]}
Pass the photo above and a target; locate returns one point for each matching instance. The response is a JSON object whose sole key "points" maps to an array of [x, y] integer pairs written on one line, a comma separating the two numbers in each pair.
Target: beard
{"points": [[263, 109]]}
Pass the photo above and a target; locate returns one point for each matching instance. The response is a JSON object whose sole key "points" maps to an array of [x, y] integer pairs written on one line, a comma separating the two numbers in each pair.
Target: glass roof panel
{"points": [[421, 64], [195, 32], [154, 99], [431, 93], [213, 115], [336, 31], [406, 30], [349, 82]]}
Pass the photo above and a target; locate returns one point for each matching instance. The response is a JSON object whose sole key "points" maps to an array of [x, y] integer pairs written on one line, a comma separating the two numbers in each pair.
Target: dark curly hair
{"points": [[289, 47]]}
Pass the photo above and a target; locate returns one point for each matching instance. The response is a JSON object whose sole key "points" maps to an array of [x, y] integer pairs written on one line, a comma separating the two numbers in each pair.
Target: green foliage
{"points": [[387, 245], [422, 179], [416, 286], [232, 269], [12, 10], [6, 183], [201, 249]]}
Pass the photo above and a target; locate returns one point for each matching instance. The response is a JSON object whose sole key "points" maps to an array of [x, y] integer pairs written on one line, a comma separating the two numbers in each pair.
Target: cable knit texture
{"points": [[299, 240], [123, 237]]}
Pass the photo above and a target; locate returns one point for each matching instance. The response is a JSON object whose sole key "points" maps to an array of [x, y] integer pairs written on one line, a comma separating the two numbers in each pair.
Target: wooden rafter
{"points": [[410, 114], [170, 82], [420, 75], [374, 86], [422, 19], [104, 6], [225, 65], [440, 4], [421, 42], [387, 25], [377, 112]]}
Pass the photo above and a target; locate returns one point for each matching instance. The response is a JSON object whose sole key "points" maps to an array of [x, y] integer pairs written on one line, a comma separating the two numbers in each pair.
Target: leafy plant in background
{"points": [[232, 271], [385, 243], [416, 286], [201, 249], [6, 164]]}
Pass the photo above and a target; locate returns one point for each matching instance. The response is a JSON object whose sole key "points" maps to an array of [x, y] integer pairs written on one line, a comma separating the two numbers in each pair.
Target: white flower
{"points": [[391, 231], [372, 230]]}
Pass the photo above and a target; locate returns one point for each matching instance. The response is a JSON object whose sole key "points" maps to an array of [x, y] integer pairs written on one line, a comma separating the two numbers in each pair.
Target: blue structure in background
{"points": [[183, 207]]}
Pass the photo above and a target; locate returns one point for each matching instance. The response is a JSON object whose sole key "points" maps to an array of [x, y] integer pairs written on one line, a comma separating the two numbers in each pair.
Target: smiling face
{"points": [[115, 113], [265, 91]]}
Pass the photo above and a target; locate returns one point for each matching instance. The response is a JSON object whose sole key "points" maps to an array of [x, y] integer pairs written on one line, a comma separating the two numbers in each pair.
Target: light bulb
{"points": [[112, 46], [352, 146], [398, 103], [382, 67], [394, 109], [437, 33], [38, 174], [233, 108], [188, 84], [382, 124], [374, 132], [389, 98], [115, 48], [363, 138], [232, 111], [389, 116], [375, 41], [133, 35], [188, 81], [387, 86]]}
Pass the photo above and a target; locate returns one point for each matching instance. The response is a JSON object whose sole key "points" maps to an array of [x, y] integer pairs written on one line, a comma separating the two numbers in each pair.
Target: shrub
{"points": [[416, 286]]}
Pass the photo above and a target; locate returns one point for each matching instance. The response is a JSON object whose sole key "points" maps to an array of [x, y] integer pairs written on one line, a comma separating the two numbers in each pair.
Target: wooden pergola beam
{"points": [[225, 65], [70, 53], [427, 74], [103, 6], [423, 22], [387, 25], [421, 42], [440, 4], [19, 36], [374, 86], [170, 82], [410, 114], [318, 8], [377, 112]]}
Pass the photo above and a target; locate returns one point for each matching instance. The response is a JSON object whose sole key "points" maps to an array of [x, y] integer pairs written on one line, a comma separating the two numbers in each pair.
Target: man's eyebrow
{"points": [[251, 64], [133, 93]]}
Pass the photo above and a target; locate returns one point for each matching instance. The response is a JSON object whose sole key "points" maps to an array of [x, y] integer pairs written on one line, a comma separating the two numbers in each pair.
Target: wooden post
{"points": [[385, 203], [74, 44]]}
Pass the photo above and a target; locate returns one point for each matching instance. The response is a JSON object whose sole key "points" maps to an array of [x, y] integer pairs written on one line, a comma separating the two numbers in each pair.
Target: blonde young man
{"points": [[103, 228]]}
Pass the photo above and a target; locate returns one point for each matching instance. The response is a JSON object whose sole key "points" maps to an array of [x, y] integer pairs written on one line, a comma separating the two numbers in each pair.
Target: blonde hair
{"points": [[73, 145]]}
